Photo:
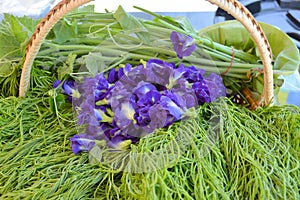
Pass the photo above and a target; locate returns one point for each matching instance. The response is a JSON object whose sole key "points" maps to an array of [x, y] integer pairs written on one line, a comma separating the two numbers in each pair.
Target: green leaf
{"points": [[63, 31], [129, 22], [67, 68], [185, 24], [57, 103], [6, 67], [232, 33], [14, 35], [94, 63]]}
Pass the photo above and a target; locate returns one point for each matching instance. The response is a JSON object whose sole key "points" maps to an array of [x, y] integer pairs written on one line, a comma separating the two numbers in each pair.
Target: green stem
{"points": [[197, 60]]}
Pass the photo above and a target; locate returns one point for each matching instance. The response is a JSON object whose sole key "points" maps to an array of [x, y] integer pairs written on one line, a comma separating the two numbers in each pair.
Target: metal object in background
{"points": [[293, 4]]}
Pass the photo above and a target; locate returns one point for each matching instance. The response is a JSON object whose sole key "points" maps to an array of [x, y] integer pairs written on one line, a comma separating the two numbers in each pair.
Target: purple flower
{"points": [[216, 87], [185, 98], [112, 76], [183, 45], [124, 70], [158, 71], [143, 88], [124, 115], [68, 88], [97, 86], [159, 118], [82, 143], [142, 116], [149, 99], [202, 92], [86, 113], [192, 74], [171, 107], [133, 76]]}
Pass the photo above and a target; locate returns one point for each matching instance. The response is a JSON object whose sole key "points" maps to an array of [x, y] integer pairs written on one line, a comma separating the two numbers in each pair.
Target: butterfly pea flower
{"points": [[159, 118], [184, 45], [133, 76], [124, 70], [192, 74], [143, 88], [56, 83], [68, 87], [112, 76], [216, 87], [102, 116], [82, 143], [202, 92], [86, 115], [98, 86], [124, 115], [149, 99], [171, 107], [158, 71], [185, 98], [142, 116], [176, 75]]}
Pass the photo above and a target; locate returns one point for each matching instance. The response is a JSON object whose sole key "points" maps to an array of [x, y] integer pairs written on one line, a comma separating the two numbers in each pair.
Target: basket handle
{"points": [[233, 7]]}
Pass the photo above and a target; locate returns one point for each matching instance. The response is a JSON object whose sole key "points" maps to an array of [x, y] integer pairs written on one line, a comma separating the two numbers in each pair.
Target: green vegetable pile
{"points": [[255, 156]]}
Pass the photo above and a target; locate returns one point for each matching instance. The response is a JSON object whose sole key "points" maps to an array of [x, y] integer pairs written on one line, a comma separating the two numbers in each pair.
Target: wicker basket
{"points": [[233, 7]]}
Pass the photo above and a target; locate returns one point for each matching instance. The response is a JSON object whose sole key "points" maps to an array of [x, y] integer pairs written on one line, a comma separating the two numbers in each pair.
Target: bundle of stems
{"points": [[142, 39]]}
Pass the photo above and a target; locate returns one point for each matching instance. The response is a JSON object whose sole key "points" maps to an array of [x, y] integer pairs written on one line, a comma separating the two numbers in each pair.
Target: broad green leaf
{"points": [[129, 22], [57, 102], [14, 35], [232, 33], [94, 63], [6, 67], [64, 30], [185, 24]]}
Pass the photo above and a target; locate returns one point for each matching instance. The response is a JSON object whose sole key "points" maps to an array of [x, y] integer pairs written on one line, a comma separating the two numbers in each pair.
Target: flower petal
{"points": [[82, 143]]}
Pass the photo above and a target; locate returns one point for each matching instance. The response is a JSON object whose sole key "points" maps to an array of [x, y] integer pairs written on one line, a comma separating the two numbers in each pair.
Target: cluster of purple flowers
{"points": [[125, 104]]}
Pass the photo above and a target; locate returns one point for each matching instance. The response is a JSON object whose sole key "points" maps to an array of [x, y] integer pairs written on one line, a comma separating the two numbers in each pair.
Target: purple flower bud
{"points": [[56, 83], [68, 87]]}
